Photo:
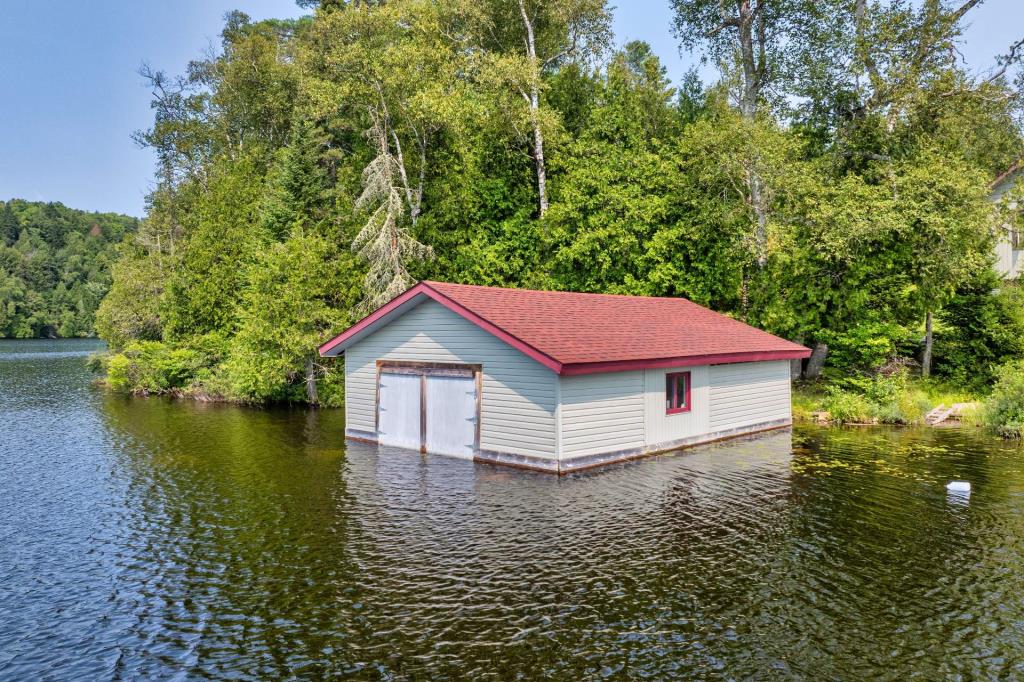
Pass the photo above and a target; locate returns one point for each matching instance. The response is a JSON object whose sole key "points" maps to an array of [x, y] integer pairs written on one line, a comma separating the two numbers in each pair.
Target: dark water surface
{"points": [[151, 539]]}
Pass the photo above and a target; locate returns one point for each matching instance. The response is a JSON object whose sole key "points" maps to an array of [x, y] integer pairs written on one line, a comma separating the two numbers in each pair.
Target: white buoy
{"points": [[959, 486]]}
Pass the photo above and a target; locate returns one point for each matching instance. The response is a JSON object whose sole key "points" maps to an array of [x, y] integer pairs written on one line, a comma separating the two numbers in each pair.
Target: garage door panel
{"points": [[399, 410], [451, 415]]}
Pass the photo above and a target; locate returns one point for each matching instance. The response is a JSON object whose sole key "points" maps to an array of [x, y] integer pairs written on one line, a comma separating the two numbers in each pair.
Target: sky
{"points": [[71, 96]]}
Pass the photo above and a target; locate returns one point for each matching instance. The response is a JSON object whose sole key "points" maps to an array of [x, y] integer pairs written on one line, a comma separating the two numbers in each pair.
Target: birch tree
{"points": [[524, 40], [747, 38], [397, 67]]}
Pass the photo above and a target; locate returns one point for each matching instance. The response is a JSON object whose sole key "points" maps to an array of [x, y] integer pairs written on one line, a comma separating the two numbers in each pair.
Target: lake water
{"points": [[152, 539]]}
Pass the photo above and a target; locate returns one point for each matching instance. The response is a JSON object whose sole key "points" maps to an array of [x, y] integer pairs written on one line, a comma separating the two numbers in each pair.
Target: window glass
{"points": [[677, 385]]}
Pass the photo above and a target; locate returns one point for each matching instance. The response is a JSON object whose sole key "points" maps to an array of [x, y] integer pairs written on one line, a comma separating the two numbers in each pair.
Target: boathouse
{"points": [[556, 381]]}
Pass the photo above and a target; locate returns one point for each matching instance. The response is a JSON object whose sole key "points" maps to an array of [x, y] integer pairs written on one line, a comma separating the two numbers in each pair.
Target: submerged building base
{"points": [[574, 464]]}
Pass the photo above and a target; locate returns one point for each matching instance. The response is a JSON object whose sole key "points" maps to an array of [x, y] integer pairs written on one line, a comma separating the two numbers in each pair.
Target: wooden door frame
{"points": [[423, 370]]}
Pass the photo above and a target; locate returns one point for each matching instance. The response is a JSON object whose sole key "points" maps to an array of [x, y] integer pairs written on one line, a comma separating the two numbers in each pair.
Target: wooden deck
{"points": [[941, 413]]}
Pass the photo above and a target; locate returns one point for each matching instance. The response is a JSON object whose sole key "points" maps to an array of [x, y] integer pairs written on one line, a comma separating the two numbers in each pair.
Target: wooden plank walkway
{"points": [[942, 413]]}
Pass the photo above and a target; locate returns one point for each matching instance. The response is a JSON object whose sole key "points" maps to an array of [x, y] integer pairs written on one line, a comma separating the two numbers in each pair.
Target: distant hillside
{"points": [[55, 267]]}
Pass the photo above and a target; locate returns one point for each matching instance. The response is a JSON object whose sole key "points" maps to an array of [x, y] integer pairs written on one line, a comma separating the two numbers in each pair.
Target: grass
{"points": [[878, 400]]}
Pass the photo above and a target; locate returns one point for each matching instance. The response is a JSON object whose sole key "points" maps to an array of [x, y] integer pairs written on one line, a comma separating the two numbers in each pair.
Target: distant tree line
{"points": [[55, 267], [830, 187]]}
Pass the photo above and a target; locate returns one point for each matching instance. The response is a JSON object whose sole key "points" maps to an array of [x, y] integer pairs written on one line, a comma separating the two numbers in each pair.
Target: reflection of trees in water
{"points": [[232, 551]]}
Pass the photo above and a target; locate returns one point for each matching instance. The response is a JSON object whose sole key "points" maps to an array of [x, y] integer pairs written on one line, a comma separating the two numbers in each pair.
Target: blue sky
{"points": [[70, 96]]}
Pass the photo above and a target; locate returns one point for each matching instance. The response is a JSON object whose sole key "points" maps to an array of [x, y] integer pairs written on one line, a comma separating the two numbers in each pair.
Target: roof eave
{"points": [[577, 368], [1006, 174], [340, 342]]}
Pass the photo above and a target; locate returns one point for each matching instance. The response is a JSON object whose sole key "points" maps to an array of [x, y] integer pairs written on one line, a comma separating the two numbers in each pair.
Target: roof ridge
{"points": [[429, 282]]}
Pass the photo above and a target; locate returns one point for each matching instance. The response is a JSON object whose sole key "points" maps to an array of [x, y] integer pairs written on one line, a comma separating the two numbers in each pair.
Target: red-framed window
{"points": [[677, 392]]}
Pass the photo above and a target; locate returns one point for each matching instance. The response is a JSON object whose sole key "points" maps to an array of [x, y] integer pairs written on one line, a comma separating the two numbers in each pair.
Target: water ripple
{"points": [[151, 539]]}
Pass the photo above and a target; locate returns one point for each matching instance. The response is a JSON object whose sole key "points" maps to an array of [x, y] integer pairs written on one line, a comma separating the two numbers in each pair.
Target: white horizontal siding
{"points": [[517, 410], [1009, 261], [748, 393], [602, 413], [665, 428]]}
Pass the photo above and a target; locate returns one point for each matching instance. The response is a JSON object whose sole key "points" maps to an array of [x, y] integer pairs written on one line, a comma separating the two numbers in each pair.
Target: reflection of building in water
{"points": [[481, 511]]}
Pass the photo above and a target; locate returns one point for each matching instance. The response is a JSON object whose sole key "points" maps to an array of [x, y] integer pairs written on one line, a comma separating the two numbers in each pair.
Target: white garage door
{"points": [[398, 419], [451, 415]]}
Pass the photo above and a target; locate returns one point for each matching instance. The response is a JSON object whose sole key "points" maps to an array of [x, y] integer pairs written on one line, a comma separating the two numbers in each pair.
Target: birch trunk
{"points": [[533, 99], [751, 29]]}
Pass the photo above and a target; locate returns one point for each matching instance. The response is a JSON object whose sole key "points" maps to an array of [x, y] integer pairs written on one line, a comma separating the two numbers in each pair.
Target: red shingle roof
{"points": [[575, 333]]}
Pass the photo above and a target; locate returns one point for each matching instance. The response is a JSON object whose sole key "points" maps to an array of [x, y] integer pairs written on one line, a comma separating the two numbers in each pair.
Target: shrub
{"points": [[1003, 410], [869, 398], [912, 405], [867, 346], [846, 407], [155, 367]]}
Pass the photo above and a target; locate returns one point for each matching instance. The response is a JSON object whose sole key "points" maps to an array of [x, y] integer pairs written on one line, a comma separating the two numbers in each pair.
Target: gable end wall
{"points": [[518, 403]]}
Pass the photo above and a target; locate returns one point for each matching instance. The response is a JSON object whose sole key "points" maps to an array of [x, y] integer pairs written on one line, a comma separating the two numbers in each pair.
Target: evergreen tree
{"points": [[10, 226]]}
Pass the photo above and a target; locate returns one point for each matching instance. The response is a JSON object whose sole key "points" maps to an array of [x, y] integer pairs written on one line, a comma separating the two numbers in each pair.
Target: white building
{"points": [[557, 381], [1010, 239]]}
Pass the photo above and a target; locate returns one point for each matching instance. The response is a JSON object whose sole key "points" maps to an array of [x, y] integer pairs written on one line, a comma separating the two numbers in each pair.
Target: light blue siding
{"points": [[518, 402], [749, 393], [602, 413]]}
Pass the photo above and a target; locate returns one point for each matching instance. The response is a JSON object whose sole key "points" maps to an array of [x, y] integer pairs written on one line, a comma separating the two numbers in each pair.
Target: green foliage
{"points": [[131, 310], [152, 367], [863, 399], [867, 346], [55, 267], [411, 128], [981, 326], [1003, 410], [847, 407], [290, 305], [205, 287]]}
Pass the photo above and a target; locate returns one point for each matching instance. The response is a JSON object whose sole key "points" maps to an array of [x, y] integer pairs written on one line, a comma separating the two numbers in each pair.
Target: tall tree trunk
{"points": [[926, 357], [533, 99], [311, 394], [751, 75], [796, 367], [816, 362], [751, 30], [759, 204]]}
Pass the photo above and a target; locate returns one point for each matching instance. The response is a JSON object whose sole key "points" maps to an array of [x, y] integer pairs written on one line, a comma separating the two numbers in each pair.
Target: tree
{"points": [[754, 36], [205, 287], [394, 65], [527, 40], [945, 220], [289, 308], [51, 224], [10, 226], [384, 242]]}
